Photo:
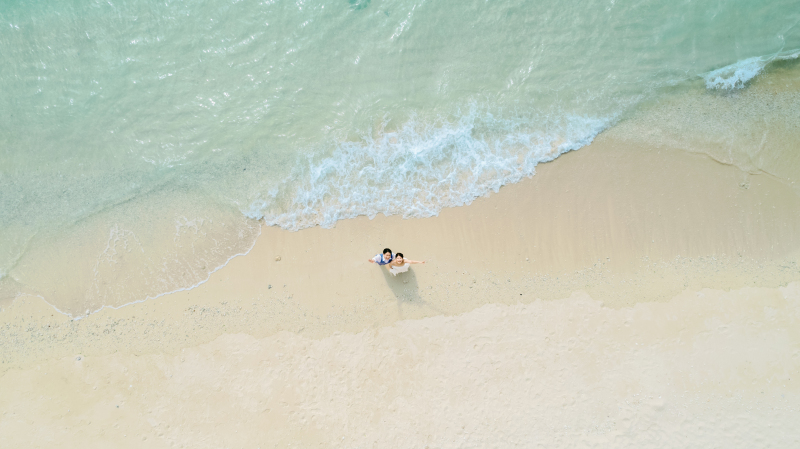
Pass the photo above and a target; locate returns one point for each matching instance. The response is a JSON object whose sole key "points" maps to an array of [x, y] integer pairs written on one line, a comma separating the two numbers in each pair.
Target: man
{"points": [[383, 259]]}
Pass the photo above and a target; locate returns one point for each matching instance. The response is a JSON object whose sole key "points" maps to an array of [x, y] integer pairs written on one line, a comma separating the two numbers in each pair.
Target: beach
{"points": [[706, 368], [606, 198], [626, 303]]}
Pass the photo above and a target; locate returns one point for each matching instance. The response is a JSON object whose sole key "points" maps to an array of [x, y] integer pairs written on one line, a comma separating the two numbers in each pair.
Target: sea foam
{"points": [[419, 169], [738, 74]]}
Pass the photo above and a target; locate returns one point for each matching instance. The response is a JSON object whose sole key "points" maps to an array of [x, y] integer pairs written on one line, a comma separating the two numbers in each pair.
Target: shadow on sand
{"points": [[406, 289]]}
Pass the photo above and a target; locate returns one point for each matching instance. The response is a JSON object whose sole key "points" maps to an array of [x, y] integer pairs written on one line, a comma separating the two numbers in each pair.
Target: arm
{"points": [[413, 261]]}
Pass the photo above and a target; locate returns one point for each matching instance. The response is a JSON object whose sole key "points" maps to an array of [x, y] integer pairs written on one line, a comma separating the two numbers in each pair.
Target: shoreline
{"points": [[628, 225], [759, 143], [660, 297], [191, 195]]}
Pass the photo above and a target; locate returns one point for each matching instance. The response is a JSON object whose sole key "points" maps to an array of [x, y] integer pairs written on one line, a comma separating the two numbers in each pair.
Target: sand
{"points": [[706, 369], [628, 294]]}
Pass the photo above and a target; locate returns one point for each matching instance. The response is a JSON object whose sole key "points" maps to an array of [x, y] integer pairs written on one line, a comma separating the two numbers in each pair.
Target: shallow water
{"points": [[140, 141]]}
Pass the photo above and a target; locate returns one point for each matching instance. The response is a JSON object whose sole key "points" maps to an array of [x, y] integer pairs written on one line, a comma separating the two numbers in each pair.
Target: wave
{"points": [[419, 169], [736, 75]]}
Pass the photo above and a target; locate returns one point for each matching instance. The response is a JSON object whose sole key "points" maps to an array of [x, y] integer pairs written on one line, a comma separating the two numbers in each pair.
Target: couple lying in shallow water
{"points": [[396, 263]]}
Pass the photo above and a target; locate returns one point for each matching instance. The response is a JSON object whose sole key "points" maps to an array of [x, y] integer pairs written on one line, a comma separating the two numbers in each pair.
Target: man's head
{"points": [[387, 253]]}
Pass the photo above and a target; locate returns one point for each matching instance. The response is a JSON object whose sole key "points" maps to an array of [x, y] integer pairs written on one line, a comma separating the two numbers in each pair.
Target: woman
{"points": [[400, 264]]}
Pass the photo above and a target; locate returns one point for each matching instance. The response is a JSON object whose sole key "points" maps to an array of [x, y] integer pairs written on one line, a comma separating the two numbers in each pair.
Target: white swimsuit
{"points": [[401, 269]]}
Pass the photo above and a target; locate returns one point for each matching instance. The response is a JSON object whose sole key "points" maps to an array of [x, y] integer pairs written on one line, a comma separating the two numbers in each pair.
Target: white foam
{"points": [[736, 75], [419, 169]]}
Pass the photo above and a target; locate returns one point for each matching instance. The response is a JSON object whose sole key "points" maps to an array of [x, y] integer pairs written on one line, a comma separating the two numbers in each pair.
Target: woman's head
{"points": [[398, 256]]}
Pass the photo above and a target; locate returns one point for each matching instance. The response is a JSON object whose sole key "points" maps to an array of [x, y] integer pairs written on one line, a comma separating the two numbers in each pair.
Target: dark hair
{"points": [[386, 250], [400, 255]]}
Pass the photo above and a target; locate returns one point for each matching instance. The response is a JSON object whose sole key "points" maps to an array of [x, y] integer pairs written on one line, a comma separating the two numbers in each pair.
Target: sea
{"points": [[144, 143]]}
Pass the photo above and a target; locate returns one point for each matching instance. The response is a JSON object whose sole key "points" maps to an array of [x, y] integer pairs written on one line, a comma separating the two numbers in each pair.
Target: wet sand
{"points": [[627, 294]]}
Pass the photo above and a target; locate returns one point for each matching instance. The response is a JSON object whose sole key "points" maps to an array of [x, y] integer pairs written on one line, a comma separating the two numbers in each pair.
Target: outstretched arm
{"points": [[412, 261]]}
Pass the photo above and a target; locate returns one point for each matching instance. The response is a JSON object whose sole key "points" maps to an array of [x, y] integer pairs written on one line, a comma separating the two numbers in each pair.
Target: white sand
{"points": [[707, 369]]}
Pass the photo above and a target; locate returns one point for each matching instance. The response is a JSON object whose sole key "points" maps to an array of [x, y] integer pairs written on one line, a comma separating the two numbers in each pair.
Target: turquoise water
{"points": [[147, 138]]}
